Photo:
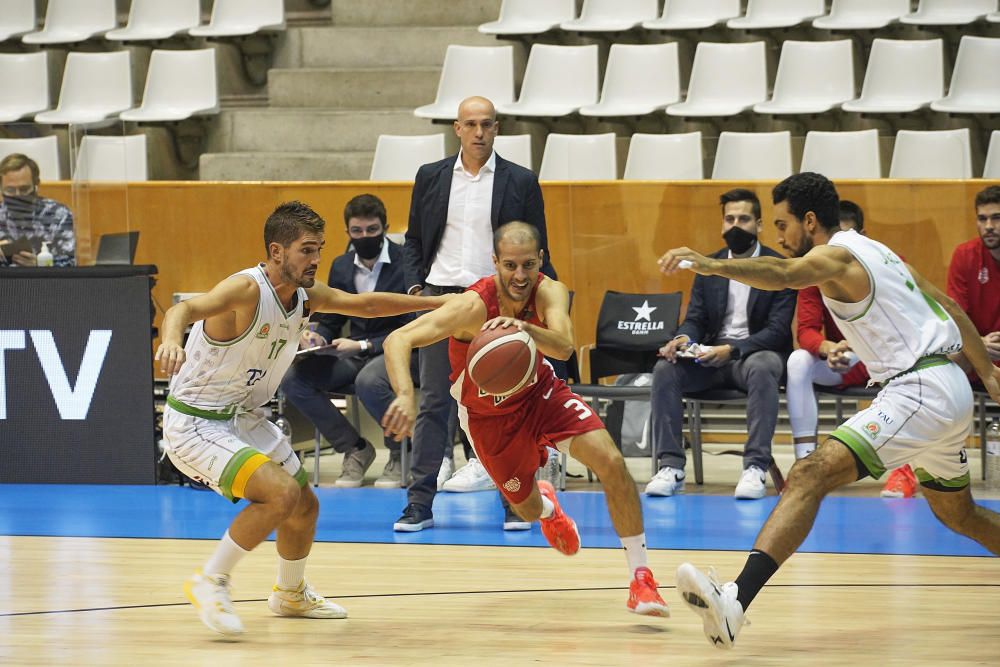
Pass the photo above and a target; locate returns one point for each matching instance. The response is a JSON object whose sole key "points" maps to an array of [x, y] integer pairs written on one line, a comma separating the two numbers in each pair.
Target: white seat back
{"points": [[862, 14], [639, 79], [949, 12], [397, 158], [902, 76], [43, 150], [231, 18], [558, 80], [664, 157], [777, 13], [726, 79], [813, 77], [487, 71], [975, 81], [111, 159], [529, 17], [95, 86], [155, 19], [25, 88], [992, 168], [931, 154], [842, 154], [69, 21], [179, 84], [514, 148], [17, 18], [753, 156], [579, 157], [693, 14], [612, 15]]}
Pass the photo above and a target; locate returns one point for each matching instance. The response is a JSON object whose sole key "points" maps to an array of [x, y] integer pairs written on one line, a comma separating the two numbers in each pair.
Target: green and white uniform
{"points": [[923, 414], [214, 424]]}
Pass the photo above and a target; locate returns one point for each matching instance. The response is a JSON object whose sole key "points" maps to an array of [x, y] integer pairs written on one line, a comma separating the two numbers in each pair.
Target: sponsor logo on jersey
{"points": [[984, 276], [255, 375], [265, 329], [872, 429], [512, 485], [643, 323]]}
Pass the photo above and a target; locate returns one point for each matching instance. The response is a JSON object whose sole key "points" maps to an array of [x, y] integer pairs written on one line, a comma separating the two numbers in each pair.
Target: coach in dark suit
{"points": [[744, 336]]}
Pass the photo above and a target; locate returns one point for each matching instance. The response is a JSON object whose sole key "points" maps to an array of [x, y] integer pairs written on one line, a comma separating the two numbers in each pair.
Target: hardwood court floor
{"points": [[100, 601]]}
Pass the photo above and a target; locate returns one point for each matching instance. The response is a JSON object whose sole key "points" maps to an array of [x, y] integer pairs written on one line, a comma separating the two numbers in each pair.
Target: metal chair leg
{"points": [[981, 399], [319, 439], [699, 476], [404, 462]]}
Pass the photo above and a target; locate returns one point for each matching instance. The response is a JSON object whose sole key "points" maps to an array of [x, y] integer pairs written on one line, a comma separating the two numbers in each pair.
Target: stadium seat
{"points": [[902, 76], [558, 80], [471, 70], [813, 77], [639, 79], [975, 81], [744, 156], [993, 17], [95, 87], [43, 150], [842, 154], [515, 148], [397, 158], [992, 168], [180, 84], [69, 21], [25, 89], [155, 19], [769, 14], [664, 157], [17, 18], [530, 17], [931, 154], [111, 159], [862, 14], [232, 18], [612, 15], [693, 14], [726, 79], [579, 157], [949, 12]]}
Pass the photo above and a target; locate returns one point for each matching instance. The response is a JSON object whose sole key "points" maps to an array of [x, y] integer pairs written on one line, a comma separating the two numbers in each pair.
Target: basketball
{"points": [[501, 361]]}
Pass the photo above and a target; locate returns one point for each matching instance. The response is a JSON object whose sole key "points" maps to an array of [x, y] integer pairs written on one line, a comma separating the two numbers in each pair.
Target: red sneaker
{"points": [[643, 598], [559, 529], [902, 483]]}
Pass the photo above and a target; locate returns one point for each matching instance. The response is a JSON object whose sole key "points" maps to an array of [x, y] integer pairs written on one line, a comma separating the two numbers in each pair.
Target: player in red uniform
{"points": [[510, 434]]}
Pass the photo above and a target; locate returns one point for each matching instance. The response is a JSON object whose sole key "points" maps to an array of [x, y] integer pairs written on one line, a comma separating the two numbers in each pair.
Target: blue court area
{"points": [[844, 525]]}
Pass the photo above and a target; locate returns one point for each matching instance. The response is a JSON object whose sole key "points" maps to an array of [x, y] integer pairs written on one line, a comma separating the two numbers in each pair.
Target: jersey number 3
{"points": [[579, 406]]}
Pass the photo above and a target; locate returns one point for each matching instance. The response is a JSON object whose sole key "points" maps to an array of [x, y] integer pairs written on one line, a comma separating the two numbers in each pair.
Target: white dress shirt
{"points": [[365, 279], [735, 324]]}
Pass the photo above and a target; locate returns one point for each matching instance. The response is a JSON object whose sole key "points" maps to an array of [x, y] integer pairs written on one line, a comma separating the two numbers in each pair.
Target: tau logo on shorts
{"points": [[264, 330], [512, 485], [872, 429]]}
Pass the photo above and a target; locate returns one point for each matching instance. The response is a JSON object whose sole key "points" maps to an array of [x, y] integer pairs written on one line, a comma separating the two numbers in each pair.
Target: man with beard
{"points": [[214, 426], [511, 433], [904, 330], [734, 337], [23, 214]]}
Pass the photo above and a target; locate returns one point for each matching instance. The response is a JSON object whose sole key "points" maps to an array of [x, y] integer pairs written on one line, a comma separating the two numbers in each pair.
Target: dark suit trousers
{"points": [[306, 386]]}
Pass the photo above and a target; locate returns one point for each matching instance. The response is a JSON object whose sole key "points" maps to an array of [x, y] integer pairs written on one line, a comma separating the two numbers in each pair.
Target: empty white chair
{"points": [[612, 15], [74, 21], [726, 79], [992, 168], [397, 158], [514, 148], [975, 81], [95, 86], [693, 14], [529, 17], [753, 156], [471, 70], [579, 157], [16, 18], [558, 80], [813, 77], [639, 79], [902, 76], [862, 14], [664, 157], [43, 150], [119, 159], [231, 18], [842, 154], [949, 12], [764, 14], [155, 19], [993, 17], [25, 88], [931, 154], [180, 84]]}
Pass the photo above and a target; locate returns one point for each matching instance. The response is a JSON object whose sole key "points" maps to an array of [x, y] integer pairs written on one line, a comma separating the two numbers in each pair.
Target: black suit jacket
{"points": [[516, 196], [769, 314], [375, 329]]}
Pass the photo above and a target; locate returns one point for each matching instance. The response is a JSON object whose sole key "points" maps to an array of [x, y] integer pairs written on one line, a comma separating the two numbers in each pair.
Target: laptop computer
{"points": [[117, 249]]}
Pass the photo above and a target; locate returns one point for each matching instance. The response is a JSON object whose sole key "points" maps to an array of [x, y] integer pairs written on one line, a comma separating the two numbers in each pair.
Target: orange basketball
{"points": [[501, 361]]}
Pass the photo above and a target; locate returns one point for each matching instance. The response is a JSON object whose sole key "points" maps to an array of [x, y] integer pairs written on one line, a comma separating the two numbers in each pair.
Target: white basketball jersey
{"points": [[896, 324], [243, 373]]}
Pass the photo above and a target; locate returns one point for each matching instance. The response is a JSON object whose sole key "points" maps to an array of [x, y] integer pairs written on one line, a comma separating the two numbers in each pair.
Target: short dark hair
{"points": [[17, 162], [365, 206], [288, 222], [851, 211], [519, 232], [810, 191], [989, 195], [741, 194]]}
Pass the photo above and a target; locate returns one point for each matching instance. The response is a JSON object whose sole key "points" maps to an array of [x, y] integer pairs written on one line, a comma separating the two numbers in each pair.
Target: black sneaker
{"points": [[415, 518], [511, 520]]}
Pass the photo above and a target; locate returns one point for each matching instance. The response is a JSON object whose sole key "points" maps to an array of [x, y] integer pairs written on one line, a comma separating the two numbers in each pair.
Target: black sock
{"points": [[759, 568]]}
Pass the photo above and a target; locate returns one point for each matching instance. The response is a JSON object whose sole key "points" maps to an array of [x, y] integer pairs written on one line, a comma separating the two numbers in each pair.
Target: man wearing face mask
{"points": [[25, 215], [733, 336], [374, 263]]}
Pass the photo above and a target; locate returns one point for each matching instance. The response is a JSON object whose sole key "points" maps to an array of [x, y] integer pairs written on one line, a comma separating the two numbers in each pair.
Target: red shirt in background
{"points": [[974, 283], [816, 324]]}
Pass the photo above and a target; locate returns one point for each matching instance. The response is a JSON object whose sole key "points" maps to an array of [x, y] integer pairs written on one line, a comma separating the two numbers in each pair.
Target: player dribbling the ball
{"points": [[510, 433]]}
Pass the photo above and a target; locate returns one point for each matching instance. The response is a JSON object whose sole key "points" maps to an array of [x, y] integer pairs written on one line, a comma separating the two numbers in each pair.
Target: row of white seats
{"points": [[98, 158], [739, 155], [902, 76], [69, 21], [97, 87], [529, 17]]}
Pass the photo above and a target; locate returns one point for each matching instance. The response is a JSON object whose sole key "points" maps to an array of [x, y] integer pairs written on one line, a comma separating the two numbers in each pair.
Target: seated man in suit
{"points": [[733, 336], [373, 264]]}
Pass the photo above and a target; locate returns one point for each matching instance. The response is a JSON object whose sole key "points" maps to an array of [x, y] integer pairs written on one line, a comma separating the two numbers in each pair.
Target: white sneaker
{"points": [[666, 482], [720, 611], [550, 471], [751, 485], [210, 596], [445, 472], [303, 601], [471, 477]]}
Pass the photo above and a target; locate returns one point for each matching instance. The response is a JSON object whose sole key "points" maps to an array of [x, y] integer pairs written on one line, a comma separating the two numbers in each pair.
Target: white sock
{"points": [[291, 573], [547, 508], [227, 555], [635, 551], [804, 449]]}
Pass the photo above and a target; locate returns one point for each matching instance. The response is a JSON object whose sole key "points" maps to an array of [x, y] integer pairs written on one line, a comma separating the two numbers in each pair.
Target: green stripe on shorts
{"points": [[861, 448], [925, 477], [233, 467]]}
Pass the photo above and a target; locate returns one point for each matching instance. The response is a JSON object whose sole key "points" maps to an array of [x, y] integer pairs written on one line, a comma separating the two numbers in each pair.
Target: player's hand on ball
{"points": [[684, 258], [171, 357], [397, 422], [503, 323]]}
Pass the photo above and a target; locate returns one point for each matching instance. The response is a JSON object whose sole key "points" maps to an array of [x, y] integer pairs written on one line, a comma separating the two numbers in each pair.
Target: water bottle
{"points": [[993, 456], [44, 257]]}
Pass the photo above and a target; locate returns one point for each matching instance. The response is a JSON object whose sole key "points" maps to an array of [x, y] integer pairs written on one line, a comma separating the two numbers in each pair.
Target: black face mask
{"points": [[20, 205], [739, 240], [368, 247]]}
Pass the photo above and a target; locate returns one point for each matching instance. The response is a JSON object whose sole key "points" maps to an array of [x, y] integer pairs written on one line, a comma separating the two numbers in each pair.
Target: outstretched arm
{"points": [[325, 299], [820, 265]]}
